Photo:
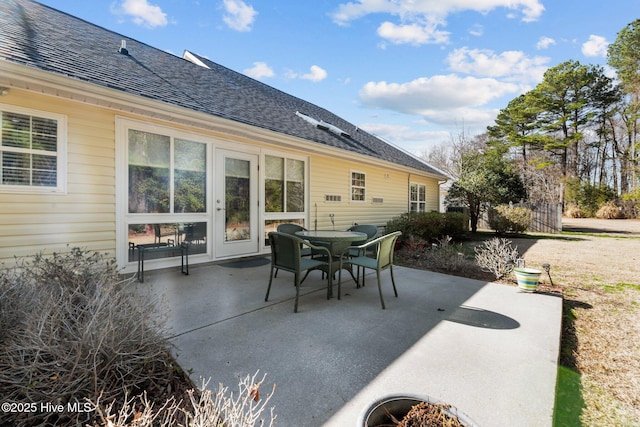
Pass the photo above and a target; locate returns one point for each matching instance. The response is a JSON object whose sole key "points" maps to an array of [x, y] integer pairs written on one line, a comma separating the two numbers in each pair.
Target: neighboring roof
{"points": [[38, 36]]}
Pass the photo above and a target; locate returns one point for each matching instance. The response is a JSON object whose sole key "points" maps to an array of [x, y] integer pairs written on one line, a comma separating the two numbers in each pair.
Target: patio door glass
{"points": [[236, 203]]}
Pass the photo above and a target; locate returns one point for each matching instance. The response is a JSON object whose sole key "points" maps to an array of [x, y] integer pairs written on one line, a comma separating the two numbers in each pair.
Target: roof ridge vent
{"points": [[123, 48]]}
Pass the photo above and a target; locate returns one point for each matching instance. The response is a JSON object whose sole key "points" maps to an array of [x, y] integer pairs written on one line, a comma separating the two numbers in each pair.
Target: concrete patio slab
{"points": [[487, 349]]}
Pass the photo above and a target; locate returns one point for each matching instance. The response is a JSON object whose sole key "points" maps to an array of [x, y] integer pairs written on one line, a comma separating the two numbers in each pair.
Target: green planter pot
{"points": [[527, 278]]}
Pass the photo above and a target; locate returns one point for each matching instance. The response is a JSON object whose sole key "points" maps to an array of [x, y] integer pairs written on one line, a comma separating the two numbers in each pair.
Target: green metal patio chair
{"points": [[286, 255], [382, 261]]}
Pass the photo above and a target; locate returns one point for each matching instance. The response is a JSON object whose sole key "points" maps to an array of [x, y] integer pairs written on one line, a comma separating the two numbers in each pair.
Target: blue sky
{"points": [[414, 72]]}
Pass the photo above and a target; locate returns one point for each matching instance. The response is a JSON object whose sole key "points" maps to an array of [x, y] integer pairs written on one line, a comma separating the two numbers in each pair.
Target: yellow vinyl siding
{"points": [[84, 216], [433, 191], [433, 195], [333, 176]]}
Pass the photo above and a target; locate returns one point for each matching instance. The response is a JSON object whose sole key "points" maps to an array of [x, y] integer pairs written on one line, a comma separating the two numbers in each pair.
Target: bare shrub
{"points": [[415, 246], [136, 411], [609, 210], [574, 211], [446, 256], [243, 410], [204, 408], [71, 331], [497, 256]]}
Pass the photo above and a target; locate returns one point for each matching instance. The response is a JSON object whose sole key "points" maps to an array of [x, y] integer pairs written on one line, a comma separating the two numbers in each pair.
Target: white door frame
{"points": [[238, 244]]}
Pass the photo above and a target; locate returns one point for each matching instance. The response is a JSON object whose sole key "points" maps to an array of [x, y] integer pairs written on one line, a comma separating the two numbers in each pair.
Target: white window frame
{"points": [[61, 153], [417, 203], [124, 218], [283, 216], [352, 187]]}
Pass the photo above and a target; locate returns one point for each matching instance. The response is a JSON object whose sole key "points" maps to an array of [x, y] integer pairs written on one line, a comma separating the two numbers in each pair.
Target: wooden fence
{"points": [[547, 218]]}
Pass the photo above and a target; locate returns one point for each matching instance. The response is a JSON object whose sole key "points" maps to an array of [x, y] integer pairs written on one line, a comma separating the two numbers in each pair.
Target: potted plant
{"points": [[393, 409], [527, 278]]}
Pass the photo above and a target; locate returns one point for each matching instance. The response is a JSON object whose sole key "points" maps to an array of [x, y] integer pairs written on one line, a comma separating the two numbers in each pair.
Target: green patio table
{"points": [[336, 241]]}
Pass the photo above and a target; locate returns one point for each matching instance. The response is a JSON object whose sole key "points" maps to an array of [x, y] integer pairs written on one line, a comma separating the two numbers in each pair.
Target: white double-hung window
{"points": [[417, 197], [358, 187], [32, 151]]}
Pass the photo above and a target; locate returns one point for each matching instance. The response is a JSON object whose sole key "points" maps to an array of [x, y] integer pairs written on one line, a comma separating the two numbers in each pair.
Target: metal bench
{"points": [[152, 248]]}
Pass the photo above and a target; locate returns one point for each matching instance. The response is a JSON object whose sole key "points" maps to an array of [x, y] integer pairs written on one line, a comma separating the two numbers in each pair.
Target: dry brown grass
{"points": [[597, 270], [607, 355]]}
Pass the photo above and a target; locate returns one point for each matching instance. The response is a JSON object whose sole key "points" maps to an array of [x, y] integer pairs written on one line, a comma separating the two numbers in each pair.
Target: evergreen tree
{"points": [[485, 177]]}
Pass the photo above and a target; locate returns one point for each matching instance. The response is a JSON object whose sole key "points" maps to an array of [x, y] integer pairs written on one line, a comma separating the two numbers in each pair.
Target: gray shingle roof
{"points": [[47, 39]]}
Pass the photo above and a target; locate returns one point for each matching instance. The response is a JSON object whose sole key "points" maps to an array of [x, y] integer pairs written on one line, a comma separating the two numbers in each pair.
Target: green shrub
{"points": [[588, 197], [455, 224], [510, 219], [429, 226], [631, 204]]}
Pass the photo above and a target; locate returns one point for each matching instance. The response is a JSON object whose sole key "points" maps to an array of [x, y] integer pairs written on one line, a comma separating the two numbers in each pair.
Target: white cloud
{"points": [[384, 130], [239, 16], [259, 70], [415, 34], [315, 74], [544, 43], [142, 12], [510, 65], [429, 96], [446, 100], [405, 133], [476, 118], [406, 136], [595, 46], [476, 30], [531, 9]]}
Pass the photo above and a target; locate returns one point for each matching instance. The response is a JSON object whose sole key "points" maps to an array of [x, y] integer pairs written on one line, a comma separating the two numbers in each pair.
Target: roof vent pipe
{"points": [[123, 48]]}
